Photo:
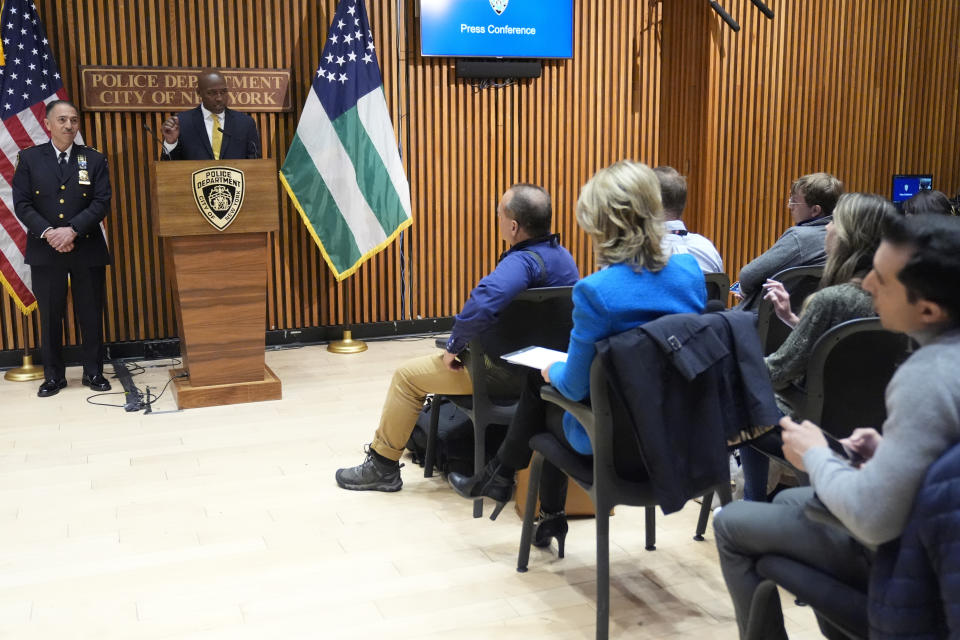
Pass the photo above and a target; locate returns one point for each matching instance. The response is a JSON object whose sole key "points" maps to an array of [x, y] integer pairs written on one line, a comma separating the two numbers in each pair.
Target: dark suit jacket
{"points": [[240, 137], [41, 199]]}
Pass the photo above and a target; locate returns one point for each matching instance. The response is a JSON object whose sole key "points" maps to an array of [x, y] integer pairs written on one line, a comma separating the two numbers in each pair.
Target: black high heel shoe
{"points": [[551, 525], [489, 484]]}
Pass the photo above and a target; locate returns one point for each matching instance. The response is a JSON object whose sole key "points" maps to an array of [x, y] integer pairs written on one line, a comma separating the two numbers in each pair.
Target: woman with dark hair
{"points": [[620, 209], [929, 201]]}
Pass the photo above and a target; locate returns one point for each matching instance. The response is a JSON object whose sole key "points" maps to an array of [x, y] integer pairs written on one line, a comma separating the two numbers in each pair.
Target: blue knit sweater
{"points": [[611, 301]]}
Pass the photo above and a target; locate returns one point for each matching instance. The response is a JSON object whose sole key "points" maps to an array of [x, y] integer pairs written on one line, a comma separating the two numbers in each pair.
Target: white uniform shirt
{"points": [[695, 244]]}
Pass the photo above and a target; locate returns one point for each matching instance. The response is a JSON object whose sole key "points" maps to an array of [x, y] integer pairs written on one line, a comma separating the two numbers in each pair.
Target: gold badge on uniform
{"points": [[83, 177], [219, 194]]}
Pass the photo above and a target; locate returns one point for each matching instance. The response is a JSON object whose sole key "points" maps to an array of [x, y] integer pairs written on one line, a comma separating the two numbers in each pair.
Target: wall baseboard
{"points": [[170, 347]]}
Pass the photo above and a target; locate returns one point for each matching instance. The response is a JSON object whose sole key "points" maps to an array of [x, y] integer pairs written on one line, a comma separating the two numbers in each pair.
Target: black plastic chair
{"points": [[841, 609], [541, 317], [718, 287], [597, 474], [848, 373], [847, 376], [800, 282]]}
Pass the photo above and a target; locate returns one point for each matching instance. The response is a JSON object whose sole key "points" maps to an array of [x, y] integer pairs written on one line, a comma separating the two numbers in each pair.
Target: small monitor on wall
{"points": [[905, 186], [496, 28]]}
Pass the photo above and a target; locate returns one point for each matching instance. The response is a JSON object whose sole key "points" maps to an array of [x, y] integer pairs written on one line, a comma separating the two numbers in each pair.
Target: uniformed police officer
{"points": [[61, 192]]}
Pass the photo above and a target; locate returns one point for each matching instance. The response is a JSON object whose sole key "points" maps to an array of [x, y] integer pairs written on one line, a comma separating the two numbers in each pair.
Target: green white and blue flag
{"points": [[343, 169]]}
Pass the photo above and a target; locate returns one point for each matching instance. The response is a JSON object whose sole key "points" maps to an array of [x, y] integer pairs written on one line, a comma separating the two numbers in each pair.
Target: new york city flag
{"points": [[343, 169]]}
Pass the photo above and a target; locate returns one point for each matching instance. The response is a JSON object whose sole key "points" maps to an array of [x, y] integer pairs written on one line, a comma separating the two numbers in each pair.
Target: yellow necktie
{"points": [[217, 137]]}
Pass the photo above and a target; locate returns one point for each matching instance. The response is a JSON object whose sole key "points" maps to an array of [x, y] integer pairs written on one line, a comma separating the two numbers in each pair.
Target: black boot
{"points": [[489, 484], [550, 525]]}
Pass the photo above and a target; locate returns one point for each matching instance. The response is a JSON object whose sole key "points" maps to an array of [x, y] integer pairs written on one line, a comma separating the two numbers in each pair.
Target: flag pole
{"points": [[347, 344], [28, 371]]}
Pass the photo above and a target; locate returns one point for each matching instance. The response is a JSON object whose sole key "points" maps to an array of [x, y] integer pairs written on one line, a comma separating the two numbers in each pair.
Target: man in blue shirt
{"points": [[534, 259]]}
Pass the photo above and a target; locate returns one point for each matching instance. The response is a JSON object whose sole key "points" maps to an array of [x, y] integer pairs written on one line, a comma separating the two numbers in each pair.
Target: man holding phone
{"points": [[913, 284]]}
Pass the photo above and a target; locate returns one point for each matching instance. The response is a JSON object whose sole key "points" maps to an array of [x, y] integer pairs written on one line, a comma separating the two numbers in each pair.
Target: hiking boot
{"points": [[374, 474]]}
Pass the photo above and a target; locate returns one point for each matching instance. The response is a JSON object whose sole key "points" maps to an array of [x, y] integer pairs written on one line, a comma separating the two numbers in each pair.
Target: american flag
{"points": [[29, 79]]}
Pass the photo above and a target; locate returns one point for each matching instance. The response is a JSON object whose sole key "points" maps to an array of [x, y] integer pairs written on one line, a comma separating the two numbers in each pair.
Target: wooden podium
{"points": [[213, 217]]}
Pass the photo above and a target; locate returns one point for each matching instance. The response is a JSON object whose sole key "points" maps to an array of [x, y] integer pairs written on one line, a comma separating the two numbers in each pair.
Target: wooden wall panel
{"points": [[860, 89]]}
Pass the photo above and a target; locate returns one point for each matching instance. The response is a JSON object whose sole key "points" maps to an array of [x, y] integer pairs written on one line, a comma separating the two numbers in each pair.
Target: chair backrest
{"points": [[800, 282], [847, 375], [618, 461], [718, 287], [542, 317]]}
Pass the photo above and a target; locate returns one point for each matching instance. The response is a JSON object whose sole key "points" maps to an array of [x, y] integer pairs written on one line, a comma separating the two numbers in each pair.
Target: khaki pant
{"points": [[410, 385]]}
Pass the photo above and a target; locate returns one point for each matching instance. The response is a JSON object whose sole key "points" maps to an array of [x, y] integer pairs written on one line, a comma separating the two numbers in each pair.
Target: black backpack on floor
{"points": [[454, 438]]}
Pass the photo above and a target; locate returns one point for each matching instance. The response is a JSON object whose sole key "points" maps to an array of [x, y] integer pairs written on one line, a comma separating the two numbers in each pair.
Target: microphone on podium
{"points": [[163, 149]]}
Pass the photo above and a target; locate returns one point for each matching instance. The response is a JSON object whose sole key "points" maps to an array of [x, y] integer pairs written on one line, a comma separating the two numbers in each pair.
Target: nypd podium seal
{"points": [[219, 194]]}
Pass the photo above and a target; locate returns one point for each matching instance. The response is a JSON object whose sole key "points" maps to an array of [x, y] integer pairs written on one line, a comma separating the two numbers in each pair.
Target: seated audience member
{"points": [[619, 208], [812, 198], [928, 201], [853, 236], [535, 259], [913, 284], [673, 192]]}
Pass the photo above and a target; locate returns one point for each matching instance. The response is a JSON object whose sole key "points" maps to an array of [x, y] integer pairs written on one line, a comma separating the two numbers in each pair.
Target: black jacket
{"points": [[688, 384], [240, 137], [42, 198]]}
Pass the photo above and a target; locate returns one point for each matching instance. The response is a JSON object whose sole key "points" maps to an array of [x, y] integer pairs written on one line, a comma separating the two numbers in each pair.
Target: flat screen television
{"points": [[496, 28], [906, 186]]}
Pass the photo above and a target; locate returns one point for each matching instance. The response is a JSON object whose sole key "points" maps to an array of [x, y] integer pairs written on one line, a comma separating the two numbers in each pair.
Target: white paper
{"points": [[535, 357]]}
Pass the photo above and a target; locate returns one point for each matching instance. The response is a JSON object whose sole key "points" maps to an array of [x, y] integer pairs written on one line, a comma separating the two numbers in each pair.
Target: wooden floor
{"points": [[227, 523]]}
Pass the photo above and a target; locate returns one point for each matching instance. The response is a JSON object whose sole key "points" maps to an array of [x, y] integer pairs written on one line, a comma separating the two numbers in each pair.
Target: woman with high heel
{"points": [[620, 209]]}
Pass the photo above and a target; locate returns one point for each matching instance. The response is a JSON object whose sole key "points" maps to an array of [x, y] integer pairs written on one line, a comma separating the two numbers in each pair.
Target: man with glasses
{"points": [[211, 130], [811, 202]]}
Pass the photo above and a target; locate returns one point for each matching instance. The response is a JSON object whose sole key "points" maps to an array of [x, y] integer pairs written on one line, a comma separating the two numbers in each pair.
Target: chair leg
{"points": [[726, 496], [430, 456], [533, 490], [650, 525], [704, 516], [479, 457], [603, 568]]}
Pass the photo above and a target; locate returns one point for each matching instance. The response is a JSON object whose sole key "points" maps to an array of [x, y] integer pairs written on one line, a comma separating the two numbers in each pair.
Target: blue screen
{"points": [[497, 28], [905, 187]]}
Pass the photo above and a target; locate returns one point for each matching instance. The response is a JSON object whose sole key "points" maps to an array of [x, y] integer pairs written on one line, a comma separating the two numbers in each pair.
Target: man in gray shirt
{"points": [[914, 288], [811, 203]]}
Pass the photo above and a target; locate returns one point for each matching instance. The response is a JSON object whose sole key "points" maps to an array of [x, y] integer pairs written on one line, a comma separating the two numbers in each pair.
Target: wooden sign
{"points": [[105, 88]]}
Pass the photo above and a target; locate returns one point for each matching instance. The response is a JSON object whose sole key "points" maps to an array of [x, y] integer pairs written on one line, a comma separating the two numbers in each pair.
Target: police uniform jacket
{"points": [[41, 199], [240, 138]]}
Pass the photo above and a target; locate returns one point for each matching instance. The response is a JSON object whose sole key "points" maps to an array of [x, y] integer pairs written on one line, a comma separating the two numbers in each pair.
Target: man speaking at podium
{"points": [[210, 131]]}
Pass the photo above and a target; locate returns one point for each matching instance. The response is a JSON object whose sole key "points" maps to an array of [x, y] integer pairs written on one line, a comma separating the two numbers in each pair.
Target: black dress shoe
{"points": [[97, 382], [51, 387], [488, 484]]}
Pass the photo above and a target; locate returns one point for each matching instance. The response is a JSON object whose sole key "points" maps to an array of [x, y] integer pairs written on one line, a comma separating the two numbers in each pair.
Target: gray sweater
{"points": [[923, 421], [799, 246], [825, 309]]}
